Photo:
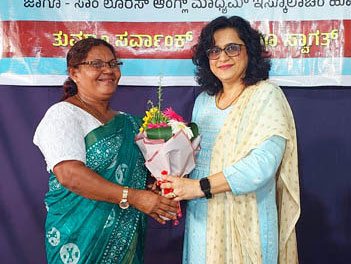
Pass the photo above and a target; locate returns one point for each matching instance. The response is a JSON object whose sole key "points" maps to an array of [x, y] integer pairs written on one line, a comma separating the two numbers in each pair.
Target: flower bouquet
{"points": [[167, 143]]}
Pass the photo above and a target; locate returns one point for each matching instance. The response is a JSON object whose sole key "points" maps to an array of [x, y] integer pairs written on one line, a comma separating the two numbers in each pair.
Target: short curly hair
{"points": [[259, 62]]}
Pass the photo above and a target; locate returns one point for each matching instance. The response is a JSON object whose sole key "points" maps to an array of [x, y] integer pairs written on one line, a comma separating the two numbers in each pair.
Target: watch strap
{"points": [[124, 201], [125, 193], [206, 187]]}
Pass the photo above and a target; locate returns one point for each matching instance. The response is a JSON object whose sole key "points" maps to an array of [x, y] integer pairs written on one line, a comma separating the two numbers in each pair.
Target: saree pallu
{"points": [[233, 231], [79, 230]]}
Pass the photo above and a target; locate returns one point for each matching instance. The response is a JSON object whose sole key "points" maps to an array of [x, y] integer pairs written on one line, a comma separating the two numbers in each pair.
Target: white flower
{"points": [[177, 126]]}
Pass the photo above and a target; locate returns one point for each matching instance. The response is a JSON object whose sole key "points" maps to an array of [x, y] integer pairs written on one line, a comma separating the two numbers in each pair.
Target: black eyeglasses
{"points": [[99, 64], [231, 50]]}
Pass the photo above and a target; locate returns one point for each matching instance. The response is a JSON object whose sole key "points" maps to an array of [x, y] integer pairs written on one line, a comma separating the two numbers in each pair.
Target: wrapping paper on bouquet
{"points": [[176, 156]]}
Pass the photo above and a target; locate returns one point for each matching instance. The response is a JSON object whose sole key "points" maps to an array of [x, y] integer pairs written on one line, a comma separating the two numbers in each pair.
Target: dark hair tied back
{"points": [[69, 89]]}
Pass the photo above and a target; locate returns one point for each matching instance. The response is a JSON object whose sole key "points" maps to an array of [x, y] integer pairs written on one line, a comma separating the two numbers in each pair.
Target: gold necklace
{"points": [[232, 102], [92, 110]]}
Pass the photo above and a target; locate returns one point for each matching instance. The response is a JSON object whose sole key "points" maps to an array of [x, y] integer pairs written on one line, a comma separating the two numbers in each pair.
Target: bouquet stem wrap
{"points": [[176, 156]]}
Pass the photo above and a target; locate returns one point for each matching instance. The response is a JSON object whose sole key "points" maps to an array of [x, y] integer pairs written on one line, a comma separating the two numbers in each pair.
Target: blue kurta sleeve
{"points": [[255, 170], [197, 106]]}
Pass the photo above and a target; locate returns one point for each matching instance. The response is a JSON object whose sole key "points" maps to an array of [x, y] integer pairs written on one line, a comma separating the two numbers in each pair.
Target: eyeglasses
{"points": [[231, 50], [99, 64]]}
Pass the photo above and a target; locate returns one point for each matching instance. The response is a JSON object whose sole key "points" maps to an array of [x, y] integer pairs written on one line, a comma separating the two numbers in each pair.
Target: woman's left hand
{"points": [[183, 188]]}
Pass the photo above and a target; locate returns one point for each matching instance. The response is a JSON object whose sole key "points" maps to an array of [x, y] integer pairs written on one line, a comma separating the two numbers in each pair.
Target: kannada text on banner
{"points": [[304, 52]]}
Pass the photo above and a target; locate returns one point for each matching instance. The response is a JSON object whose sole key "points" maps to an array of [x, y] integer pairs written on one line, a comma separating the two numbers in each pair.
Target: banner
{"points": [[309, 40]]}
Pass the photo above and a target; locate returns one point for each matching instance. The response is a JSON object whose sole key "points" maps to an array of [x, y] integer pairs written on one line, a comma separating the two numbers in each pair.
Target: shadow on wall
{"points": [[323, 123], [317, 241]]}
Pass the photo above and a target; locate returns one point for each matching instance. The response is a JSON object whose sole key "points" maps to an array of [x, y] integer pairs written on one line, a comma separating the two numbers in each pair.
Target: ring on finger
{"points": [[173, 195]]}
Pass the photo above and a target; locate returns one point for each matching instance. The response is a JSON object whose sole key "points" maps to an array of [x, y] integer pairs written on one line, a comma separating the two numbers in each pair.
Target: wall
{"points": [[323, 121]]}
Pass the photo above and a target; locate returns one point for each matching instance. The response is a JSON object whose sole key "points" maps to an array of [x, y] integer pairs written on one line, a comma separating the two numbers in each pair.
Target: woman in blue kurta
{"points": [[248, 160], [96, 199]]}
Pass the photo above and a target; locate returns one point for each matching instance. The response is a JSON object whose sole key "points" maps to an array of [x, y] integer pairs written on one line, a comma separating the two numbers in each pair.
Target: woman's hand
{"points": [[183, 188], [154, 188], [153, 205], [76, 177], [151, 184]]}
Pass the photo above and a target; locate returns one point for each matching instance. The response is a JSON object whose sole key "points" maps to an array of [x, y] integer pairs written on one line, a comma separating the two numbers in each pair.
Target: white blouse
{"points": [[60, 134]]}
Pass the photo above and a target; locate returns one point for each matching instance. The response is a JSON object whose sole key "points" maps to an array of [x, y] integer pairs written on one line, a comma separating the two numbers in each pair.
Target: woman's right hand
{"points": [[151, 185], [153, 205]]}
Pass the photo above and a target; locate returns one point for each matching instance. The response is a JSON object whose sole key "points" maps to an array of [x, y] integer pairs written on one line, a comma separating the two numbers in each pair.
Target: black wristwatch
{"points": [[206, 187]]}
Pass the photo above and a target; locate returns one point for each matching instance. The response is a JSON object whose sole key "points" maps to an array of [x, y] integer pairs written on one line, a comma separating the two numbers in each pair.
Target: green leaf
{"points": [[159, 133], [195, 130]]}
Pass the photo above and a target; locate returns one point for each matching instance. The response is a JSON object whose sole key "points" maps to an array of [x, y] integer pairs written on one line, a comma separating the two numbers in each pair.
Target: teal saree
{"points": [[79, 230]]}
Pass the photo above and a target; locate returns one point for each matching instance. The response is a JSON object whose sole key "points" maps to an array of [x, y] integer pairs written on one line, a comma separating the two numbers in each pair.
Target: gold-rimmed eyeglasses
{"points": [[99, 64], [231, 50]]}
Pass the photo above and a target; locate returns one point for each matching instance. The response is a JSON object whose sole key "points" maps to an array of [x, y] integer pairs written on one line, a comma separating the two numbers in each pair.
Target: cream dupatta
{"points": [[233, 232]]}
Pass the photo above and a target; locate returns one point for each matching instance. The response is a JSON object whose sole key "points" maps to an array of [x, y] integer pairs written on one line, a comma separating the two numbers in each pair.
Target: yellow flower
{"points": [[153, 110]]}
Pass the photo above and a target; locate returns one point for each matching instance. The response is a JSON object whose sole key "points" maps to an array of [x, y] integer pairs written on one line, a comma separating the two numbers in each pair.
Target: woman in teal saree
{"points": [[96, 200]]}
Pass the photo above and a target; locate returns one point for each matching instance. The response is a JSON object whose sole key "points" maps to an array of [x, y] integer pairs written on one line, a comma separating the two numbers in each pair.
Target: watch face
{"points": [[124, 204]]}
